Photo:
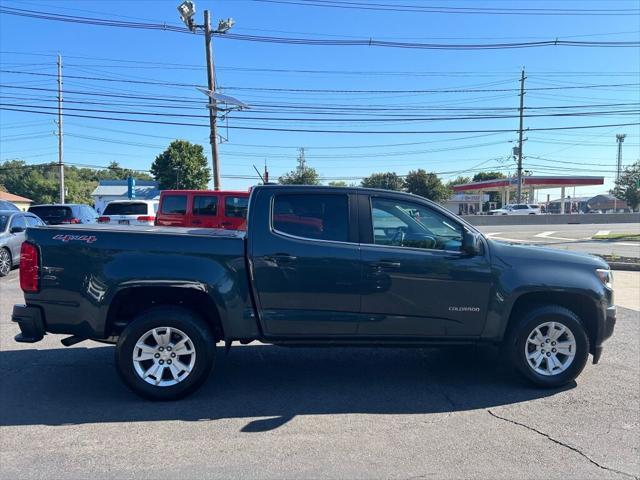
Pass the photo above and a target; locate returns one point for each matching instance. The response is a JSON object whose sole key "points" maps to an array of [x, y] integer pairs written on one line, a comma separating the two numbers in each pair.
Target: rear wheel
{"points": [[549, 346], [165, 353], [5, 262]]}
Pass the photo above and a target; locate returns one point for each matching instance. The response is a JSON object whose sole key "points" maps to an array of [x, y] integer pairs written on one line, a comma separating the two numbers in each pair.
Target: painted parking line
{"points": [[602, 233], [544, 234]]}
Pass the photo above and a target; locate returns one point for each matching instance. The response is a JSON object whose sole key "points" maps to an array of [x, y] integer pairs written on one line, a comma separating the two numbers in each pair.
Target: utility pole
{"points": [[520, 132], [213, 111], [60, 153], [619, 138]]}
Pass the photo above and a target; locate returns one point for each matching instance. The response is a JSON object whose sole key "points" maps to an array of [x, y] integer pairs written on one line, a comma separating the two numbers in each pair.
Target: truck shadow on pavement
{"points": [[80, 385]]}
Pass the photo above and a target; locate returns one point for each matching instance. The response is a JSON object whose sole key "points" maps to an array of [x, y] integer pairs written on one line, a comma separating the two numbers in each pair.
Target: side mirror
{"points": [[471, 243], [17, 229]]}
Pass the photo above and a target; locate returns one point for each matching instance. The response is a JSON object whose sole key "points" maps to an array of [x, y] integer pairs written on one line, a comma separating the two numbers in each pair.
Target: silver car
{"points": [[12, 227]]}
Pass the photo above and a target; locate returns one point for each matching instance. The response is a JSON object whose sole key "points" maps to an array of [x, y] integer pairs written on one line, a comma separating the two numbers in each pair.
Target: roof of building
{"points": [[10, 197], [530, 181], [145, 189]]}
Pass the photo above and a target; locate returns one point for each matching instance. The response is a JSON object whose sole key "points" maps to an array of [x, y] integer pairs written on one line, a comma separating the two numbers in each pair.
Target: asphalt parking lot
{"points": [[569, 237], [270, 412]]}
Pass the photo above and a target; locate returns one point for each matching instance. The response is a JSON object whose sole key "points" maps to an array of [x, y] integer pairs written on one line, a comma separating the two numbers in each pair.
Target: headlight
{"points": [[605, 276]]}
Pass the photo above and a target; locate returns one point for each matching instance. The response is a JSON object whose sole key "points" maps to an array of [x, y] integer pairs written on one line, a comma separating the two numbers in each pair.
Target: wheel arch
{"points": [[129, 302], [582, 305]]}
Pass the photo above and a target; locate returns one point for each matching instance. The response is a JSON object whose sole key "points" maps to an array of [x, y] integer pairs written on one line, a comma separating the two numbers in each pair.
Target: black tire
{"points": [[5, 255], [184, 320], [518, 335]]}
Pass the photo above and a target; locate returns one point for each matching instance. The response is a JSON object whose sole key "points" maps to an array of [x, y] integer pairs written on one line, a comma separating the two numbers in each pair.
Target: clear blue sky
{"points": [[30, 45]]}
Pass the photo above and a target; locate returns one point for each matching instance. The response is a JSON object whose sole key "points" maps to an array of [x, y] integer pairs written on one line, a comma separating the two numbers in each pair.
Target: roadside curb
{"points": [[629, 267]]}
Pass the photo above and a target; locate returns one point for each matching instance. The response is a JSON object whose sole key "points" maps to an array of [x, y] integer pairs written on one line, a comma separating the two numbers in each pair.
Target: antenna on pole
{"points": [[259, 174]]}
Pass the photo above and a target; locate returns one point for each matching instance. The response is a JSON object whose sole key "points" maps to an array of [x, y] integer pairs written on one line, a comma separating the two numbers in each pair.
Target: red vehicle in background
{"points": [[203, 208]]}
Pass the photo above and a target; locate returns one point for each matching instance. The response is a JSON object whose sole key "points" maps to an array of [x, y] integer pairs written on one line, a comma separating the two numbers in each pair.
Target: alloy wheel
{"points": [[164, 356], [550, 348]]}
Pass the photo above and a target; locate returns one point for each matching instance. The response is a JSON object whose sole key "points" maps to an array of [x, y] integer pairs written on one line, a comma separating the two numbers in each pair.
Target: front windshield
{"points": [[4, 219]]}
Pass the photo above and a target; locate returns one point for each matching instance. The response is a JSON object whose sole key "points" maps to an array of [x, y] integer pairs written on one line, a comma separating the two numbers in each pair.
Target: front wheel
{"points": [[549, 346], [165, 353]]}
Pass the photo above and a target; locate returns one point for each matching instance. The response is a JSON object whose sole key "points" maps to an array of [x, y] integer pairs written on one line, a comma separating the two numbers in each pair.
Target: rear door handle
{"points": [[387, 264], [281, 258]]}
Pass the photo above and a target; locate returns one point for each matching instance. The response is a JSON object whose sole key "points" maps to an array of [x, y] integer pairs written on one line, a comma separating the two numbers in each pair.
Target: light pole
{"points": [[187, 10], [619, 138]]}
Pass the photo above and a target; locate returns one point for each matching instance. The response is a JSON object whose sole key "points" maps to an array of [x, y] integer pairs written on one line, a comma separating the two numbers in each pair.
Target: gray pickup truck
{"points": [[317, 266]]}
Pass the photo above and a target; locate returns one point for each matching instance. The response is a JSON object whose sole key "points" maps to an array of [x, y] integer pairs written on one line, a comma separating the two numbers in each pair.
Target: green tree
{"points": [[481, 176], [386, 181], [181, 165], [338, 183], [628, 186], [427, 185], [460, 180], [302, 175], [115, 172]]}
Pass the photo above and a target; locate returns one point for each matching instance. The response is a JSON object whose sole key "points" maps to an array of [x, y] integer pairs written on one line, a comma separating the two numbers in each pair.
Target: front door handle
{"points": [[387, 264]]}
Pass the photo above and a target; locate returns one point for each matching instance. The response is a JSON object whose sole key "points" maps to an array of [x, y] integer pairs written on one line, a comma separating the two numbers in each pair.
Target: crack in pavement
{"points": [[574, 449]]}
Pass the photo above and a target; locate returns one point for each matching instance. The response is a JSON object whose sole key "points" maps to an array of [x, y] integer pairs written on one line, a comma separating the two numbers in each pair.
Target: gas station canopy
{"points": [[536, 182]]}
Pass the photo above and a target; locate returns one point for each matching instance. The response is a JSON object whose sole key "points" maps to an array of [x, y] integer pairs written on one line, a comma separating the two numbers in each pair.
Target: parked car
{"points": [[68, 213], [12, 227], [341, 266], [517, 209], [130, 212], [203, 208], [5, 205]]}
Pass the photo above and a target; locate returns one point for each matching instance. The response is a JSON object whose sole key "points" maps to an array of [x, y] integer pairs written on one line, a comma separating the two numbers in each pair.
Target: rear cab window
{"points": [[314, 216], [174, 205], [52, 212]]}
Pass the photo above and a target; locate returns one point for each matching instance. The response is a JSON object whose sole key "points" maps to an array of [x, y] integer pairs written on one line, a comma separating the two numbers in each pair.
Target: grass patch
{"points": [[617, 236]]}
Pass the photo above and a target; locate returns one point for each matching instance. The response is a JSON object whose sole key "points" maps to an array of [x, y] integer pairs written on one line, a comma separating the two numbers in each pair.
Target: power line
{"points": [[376, 6], [367, 42], [342, 131]]}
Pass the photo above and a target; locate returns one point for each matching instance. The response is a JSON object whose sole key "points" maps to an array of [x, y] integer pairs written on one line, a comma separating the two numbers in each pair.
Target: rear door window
{"points": [[174, 204], [236, 207], [129, 208], [317, 216], [205, 205]]}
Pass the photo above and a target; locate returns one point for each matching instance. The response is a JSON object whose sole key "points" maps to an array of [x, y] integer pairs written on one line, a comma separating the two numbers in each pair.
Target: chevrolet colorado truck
{"points": [[317, 266]]}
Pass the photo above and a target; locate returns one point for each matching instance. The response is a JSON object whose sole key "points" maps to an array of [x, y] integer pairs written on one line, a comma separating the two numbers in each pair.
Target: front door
{"points": [[417, 282], [306, 265]]}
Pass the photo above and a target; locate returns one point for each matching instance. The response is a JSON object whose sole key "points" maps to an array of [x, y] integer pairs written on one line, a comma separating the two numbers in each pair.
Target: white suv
{"points": [[517, 209], [130, 212]]}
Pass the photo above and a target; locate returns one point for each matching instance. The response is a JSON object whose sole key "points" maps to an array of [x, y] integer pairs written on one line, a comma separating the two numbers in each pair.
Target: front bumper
{"points": [[31, 323], [605, 331]]}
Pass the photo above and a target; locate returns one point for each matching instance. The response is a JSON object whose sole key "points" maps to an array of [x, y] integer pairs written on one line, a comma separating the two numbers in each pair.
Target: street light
{"points": [[187, 10]]}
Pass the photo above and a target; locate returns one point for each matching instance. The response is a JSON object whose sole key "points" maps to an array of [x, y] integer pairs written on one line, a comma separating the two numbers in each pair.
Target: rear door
{"points": [[173, 210], [306, 263], [234, 215], [205, 211], [417, 282]]}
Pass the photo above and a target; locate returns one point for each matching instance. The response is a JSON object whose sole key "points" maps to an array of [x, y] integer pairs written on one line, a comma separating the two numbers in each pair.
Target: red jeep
{"points": [[203, 208]]}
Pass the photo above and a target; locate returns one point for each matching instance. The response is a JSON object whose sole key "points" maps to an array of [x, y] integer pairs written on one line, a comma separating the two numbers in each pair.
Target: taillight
{"points": [[146, 218], [103, 219], [29, 267], [71, 220]]}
